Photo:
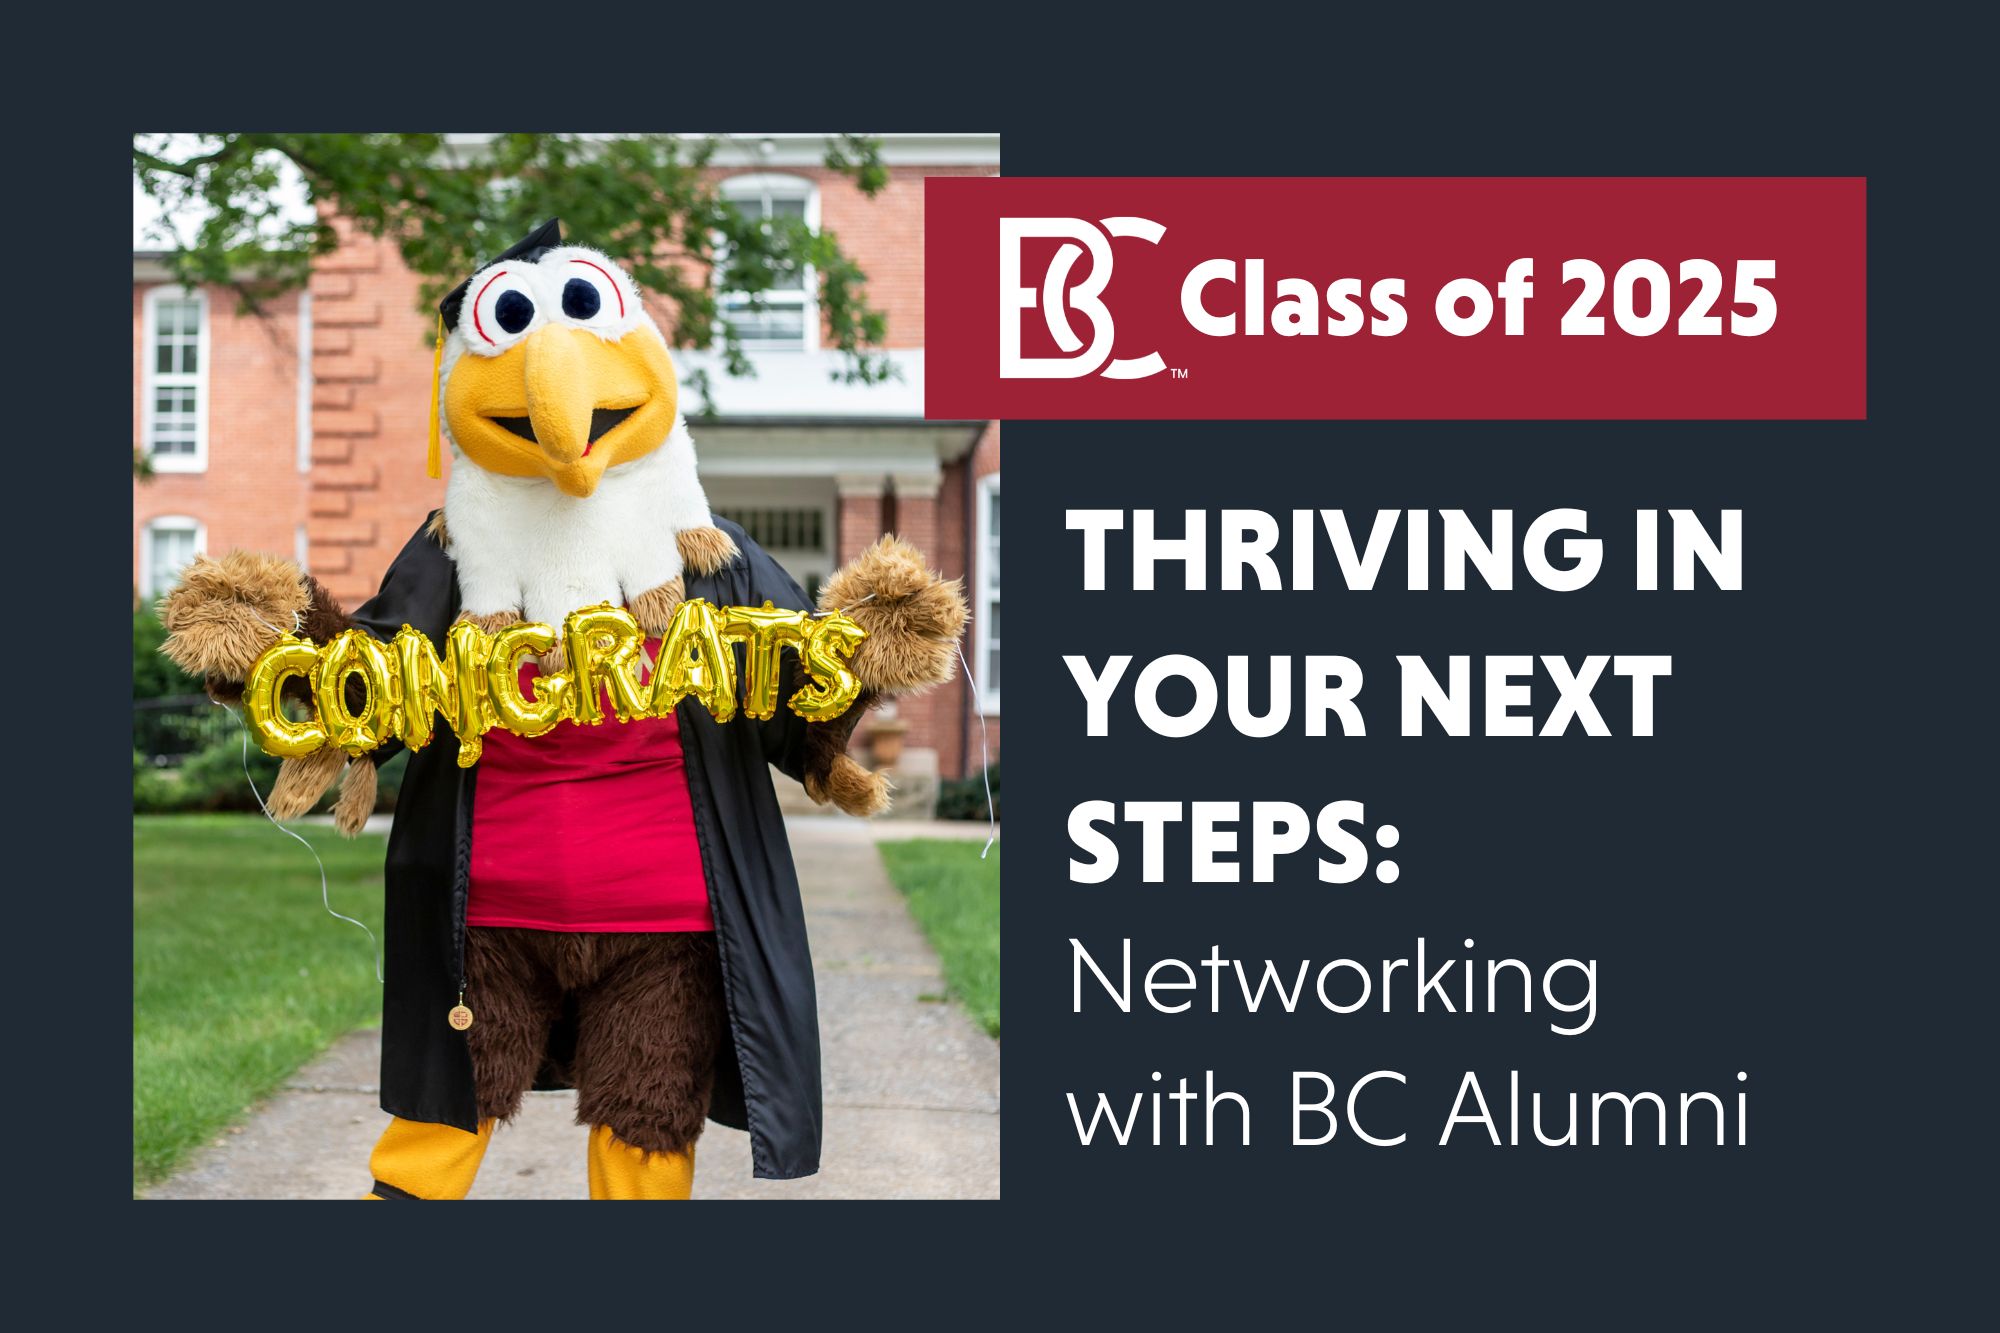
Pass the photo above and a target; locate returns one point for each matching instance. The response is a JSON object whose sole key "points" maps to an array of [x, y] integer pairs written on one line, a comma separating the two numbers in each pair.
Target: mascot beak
{"points": [[579, 388], [564, 403]]}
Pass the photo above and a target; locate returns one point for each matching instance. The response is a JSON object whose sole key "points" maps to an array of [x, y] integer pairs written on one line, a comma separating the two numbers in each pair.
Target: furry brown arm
{"points": [[301, 782], [654, 608], [222, 616], [913, 614], [914, 617], [357, 798], [225, 612], [831, 774], [705, 550]]}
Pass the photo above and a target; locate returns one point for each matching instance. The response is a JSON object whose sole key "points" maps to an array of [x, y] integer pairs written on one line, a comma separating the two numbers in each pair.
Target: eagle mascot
{"points": [[612, 909]]}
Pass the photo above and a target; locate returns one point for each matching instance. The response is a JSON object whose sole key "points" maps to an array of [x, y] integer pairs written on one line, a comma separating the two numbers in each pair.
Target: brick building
{"points": [[301, 429]]}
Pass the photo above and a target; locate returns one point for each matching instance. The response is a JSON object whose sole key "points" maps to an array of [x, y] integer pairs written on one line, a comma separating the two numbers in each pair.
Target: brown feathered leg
{"points": [[511, 986], [649, 1027]]}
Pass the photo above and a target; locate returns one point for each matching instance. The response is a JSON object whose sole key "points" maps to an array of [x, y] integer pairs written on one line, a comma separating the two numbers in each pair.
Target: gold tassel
{"points": [[434, 462]]}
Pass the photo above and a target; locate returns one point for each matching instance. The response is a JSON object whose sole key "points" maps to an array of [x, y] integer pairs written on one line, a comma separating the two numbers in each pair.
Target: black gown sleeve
{"points": [[783, 736], [420, 590]]}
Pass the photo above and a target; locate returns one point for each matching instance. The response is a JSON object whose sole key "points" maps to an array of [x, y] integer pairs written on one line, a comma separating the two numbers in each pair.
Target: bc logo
{"points": [[1057, 298]]}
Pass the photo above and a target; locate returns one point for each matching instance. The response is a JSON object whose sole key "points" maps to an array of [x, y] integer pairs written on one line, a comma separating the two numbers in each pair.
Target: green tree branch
{"points": [[646, 200]]}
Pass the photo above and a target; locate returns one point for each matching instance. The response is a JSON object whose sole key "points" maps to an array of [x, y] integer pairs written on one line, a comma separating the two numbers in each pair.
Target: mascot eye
{"points": [[591, 295], [580, 299], [514, 311], [502, 309]]}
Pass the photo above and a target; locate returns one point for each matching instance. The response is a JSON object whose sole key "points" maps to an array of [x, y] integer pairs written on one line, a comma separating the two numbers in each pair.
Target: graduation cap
{"points": [[528, 249]]}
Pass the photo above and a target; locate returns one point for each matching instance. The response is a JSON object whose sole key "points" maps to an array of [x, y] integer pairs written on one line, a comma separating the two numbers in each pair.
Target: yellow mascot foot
{"points": [[416, 1160], [620, 1171]]}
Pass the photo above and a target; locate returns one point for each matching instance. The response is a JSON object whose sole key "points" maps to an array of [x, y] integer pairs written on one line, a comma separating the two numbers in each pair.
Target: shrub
{"points": [[153, 676], [965, 798], [212, 779]]}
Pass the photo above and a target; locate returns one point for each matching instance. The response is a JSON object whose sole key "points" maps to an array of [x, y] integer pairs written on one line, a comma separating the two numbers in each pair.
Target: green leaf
{"points": [[642, 199]]}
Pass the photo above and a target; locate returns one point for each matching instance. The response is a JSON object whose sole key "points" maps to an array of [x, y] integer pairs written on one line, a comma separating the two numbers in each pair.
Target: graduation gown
{"points": [[768, 1072]]}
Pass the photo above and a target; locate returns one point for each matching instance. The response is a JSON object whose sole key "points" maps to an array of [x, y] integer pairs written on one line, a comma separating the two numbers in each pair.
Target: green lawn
{"points": [[238, 974], [955, 897]]}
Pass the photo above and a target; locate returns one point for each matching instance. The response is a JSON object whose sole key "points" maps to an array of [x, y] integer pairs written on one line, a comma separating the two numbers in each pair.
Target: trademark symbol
{"points": [[1178, 373]]}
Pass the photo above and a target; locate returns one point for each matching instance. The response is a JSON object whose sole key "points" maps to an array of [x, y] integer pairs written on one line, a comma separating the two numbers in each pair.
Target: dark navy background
{"points": [[1790, 878], [1751, 878], [1781, 880]]}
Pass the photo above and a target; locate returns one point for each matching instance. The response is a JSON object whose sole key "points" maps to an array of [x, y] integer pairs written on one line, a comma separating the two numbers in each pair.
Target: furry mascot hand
{"points": [[220, 618], [914, 618]]}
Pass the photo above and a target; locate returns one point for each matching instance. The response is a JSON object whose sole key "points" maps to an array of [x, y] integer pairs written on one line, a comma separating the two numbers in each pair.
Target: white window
{"points": [[174, 402], [165, 550], [986, 609], [795, 536], [305, 382], [788, 529], [786, 315]]}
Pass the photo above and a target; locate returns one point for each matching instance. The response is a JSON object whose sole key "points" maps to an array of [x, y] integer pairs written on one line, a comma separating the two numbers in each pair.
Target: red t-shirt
{"points": [[587, 828]]}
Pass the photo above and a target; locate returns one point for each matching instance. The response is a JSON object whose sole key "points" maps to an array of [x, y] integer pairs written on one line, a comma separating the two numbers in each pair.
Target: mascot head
{"points": [[549, 366]]}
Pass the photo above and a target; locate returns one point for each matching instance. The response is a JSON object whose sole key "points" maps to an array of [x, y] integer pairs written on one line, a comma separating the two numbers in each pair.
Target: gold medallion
{"points": [[460, 1017]]}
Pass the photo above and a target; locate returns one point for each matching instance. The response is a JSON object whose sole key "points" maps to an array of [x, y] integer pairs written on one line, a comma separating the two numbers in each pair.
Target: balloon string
{"points": [[985, 761], [325, 899]]}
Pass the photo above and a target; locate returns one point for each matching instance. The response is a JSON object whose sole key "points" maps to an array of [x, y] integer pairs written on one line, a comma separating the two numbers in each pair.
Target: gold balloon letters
{"points": [[365, 691]]}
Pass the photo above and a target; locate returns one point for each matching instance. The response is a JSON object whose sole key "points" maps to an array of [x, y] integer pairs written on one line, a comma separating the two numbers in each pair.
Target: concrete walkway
{"points": [[912, 1084]]}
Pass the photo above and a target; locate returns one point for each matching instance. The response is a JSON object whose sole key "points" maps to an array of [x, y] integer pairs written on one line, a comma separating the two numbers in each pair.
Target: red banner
{"points": [[1396, 298]]}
